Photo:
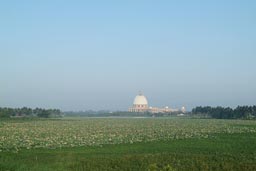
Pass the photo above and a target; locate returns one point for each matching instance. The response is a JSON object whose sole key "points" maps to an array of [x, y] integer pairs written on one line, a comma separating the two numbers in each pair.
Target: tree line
{"points": [[240, 112], [28, 112]]}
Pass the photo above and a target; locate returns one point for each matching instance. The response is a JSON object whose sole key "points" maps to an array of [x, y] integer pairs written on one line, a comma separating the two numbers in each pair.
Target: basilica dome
{"points": [[140, 100]]}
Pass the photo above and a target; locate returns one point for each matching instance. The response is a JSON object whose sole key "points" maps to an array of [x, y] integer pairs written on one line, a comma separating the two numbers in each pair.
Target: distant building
{"points": [[140, 104]]}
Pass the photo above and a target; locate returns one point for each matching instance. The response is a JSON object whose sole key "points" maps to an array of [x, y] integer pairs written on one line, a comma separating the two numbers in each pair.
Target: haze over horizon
{"points": [[98, 55]]}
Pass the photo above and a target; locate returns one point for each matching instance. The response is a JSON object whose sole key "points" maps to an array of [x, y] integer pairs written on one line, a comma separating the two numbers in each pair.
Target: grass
{"points": [[53, 134], [219, 152]]}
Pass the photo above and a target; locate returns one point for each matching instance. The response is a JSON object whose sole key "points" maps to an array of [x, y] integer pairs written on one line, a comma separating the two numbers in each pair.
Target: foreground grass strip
{"points": [[220, 152]]}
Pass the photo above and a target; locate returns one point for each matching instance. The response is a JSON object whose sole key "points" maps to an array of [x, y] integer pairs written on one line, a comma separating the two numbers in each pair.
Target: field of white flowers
{"points": [[16, 135]]}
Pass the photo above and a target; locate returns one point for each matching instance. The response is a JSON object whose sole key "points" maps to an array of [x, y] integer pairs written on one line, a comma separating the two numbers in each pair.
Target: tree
{"points": [[245, 112]]}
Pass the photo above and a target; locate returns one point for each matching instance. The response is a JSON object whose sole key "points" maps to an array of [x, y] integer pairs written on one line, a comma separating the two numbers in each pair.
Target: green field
{"points": [[128, 144]]}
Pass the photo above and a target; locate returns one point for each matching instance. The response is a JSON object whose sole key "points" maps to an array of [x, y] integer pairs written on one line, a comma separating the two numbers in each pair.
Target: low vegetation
{"points": [[150, 144], [52, 134], [225, 152]]}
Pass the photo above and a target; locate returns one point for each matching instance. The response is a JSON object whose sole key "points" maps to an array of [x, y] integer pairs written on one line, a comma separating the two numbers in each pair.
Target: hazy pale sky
{"points": [[80, 55]]}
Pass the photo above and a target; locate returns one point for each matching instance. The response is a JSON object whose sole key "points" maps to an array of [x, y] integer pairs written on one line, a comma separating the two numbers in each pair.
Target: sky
{"points": [[82, 55]]}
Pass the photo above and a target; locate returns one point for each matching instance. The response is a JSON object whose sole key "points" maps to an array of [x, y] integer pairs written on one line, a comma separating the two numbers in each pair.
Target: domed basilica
{"points": [[140, 104]]}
